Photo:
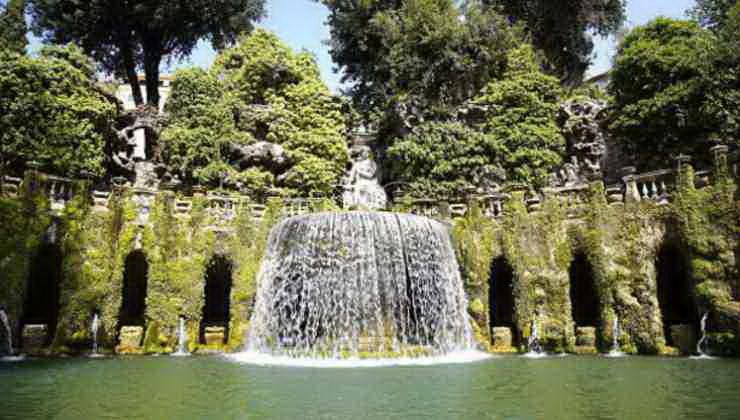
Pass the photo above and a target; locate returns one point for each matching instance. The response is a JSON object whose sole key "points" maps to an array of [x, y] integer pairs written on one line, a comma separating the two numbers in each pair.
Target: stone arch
{"points": [[502, 309], [41, 302], [217, 291], [134, 290], [584, 297], [676, 296]]}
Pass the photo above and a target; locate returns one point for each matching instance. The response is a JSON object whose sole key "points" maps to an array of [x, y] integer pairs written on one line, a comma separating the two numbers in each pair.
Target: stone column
{"points": [[719, 159], [683, 164]]}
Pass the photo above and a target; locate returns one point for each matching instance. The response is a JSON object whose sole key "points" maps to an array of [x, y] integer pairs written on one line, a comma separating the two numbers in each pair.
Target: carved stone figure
{"points": [[579, 120], [362, 188], [266, 154]]}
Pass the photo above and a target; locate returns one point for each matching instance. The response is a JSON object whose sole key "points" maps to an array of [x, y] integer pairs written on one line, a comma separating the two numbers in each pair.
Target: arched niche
{"points": [[501, 296], [133, 292], [217, 305], [584, 297], [41, 303], [675, 291]]}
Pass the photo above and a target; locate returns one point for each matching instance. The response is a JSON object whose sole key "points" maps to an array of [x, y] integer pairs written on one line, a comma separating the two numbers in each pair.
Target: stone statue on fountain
{"points": [[362, 189]]}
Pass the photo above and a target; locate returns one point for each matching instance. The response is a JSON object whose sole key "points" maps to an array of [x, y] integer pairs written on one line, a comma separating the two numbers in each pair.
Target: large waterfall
{"points": [[336, 285]]}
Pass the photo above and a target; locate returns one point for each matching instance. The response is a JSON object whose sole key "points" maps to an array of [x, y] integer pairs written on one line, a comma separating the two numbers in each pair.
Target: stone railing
{"points": [[655, 186]]}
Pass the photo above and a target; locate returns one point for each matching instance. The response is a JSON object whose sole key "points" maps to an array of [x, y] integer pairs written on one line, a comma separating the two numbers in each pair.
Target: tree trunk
{"points": [[151, 70], [130, 67]]}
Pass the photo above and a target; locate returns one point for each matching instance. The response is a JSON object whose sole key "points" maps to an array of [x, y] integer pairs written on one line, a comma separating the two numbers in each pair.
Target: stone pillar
{"points": [[631, 192], [683, 164], [719, 159]]}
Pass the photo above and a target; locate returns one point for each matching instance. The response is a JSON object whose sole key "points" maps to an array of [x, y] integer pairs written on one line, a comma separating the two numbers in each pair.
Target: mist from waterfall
{"points": [[337, 285]]}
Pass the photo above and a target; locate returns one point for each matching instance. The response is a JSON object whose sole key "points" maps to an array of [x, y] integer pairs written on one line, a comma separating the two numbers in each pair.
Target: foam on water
{"points": [[263, 359]]}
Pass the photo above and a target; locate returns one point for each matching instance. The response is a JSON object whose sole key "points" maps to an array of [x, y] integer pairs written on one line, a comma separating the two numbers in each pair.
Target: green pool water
{"points": [[499, 388]]}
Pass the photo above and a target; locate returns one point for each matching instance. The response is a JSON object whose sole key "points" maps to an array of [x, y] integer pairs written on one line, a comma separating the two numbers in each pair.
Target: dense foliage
{"points": [[562, 30], [659, 93], [126, 36], [52, 112], [258, 91], [13, 26], [509, 133], [722, 79], [421, 55], [712, 13]]}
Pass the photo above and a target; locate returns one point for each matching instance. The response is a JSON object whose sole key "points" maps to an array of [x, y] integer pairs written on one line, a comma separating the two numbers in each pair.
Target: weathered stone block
{"points": [[215, 336], [586, 336], [35, 337], [130, 339], [684, 338], [502, 339]]}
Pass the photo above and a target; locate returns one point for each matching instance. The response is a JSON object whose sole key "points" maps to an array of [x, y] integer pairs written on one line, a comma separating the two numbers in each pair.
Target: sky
{"points": [[302, 25]]}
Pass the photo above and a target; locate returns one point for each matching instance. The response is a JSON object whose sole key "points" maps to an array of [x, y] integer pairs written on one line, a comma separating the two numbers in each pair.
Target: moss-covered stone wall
{"points": [[620, 241], [622, 244]]}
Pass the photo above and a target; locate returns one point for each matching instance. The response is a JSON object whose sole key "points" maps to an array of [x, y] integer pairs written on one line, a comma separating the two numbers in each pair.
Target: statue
{"points": [[361, 186]]}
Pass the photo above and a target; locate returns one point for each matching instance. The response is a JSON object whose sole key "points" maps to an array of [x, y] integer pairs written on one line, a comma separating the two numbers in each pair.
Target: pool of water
{"points": [[499, 388]]}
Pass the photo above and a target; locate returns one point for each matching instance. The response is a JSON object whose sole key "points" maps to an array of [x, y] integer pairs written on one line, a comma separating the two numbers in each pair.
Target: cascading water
{"points": [[616, 333], [182, 339], [10, 357], [94, 330], [701, 344], [8, 332], [359, 284], [533, 344]]}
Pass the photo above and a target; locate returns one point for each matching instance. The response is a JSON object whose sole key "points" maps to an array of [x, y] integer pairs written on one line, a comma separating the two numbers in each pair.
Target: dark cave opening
{"points": [[217, 307], [41, 304], [675, 295], [133, 306], [501, 296], [584, 298]]}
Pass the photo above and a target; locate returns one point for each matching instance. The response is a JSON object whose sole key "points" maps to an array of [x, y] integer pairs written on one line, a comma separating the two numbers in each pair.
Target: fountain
{"points": [[10, 357], [358, 285], [94, 330], [701, 344], [182, 339], [616, 333], [533, 344]]}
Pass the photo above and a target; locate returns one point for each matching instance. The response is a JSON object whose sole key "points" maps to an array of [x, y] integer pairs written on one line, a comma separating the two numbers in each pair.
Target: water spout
{"points": [[182, 339], [700, 346], [94, 330], [8, 332], [616, 333], [533, 344], [10, 357]]}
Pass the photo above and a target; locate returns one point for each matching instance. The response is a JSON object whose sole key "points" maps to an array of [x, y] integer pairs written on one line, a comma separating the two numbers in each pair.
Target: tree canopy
{"points": [[421, 54], [257, 91], [562, 30], [508, 133], [52, 112], [712, 14], [13, 25], [127, 36], [659, 92]]}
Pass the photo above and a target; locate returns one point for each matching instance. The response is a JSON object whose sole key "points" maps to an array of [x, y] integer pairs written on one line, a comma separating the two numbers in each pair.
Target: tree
{"points": [[658, 110], [262, 92], [712, 13], [722, 79], [126, 36], [52, 112], [427, 56], [508, 133], [13, 25], [562, 30]]}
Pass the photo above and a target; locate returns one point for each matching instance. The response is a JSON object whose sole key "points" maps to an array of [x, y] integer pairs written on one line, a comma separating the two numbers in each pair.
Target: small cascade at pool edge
{"points": [[94, 329], [182, 339], [533, 344], [616, 333]]}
